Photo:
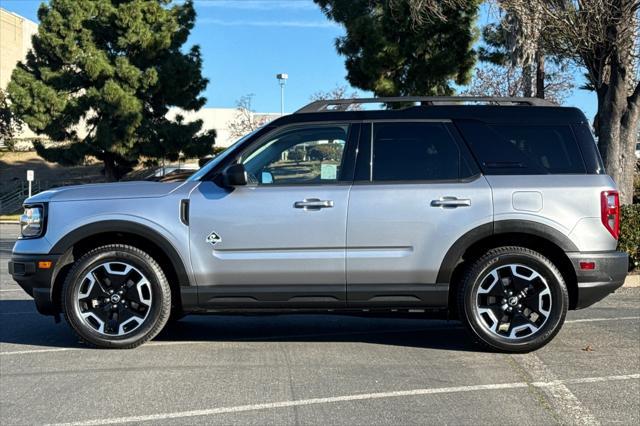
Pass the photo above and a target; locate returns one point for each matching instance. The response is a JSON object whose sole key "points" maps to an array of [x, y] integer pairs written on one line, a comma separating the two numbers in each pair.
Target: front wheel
{"points": [[513, 299], [116, 296]]}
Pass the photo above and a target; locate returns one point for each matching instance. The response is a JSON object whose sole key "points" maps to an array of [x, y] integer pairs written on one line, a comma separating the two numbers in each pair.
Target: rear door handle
{"points": [[313, 204], [451, 202]]}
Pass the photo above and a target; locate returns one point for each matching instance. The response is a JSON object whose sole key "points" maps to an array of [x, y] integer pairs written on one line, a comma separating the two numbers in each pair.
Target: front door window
{"points": [[309, 155]]}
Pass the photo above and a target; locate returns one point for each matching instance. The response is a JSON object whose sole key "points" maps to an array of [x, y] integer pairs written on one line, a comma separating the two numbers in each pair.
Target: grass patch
{"points": [[10, 217]]}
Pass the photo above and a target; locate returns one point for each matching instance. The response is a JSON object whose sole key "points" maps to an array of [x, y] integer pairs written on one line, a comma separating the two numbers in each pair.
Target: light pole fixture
{"points": [[282, 79]]}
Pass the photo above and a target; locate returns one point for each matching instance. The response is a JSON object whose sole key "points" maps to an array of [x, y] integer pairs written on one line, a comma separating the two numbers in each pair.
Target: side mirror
{"points": [[235, 175]]}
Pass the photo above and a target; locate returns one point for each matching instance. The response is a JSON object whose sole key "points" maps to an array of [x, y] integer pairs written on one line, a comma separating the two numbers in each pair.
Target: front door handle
{"points": [[451, 202], [313, 204]]}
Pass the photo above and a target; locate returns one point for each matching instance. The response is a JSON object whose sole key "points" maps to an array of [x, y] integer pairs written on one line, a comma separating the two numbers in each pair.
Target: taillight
{"points": [[610, 212]]}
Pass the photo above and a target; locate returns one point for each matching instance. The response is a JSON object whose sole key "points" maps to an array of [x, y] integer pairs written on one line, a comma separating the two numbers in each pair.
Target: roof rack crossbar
{"points": [[345, 104]]}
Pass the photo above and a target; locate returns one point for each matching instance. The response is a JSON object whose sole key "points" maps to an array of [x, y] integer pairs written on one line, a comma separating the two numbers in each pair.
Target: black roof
{"points": [[494, 110]]}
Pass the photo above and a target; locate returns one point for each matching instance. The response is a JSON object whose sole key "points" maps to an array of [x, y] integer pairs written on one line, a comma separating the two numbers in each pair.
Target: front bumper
{"points": [[36, 281], [608, 275]]}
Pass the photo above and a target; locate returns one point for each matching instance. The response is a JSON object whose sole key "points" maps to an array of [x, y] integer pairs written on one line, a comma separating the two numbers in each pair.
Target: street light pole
{"points": [[282, 79]]}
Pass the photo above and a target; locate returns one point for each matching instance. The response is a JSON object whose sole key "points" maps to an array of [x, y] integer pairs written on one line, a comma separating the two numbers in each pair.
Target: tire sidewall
{"points": [[559, 301], [146, 266]]}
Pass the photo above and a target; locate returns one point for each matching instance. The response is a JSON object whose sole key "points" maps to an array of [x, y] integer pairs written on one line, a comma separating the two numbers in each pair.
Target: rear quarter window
{"points": [[523, 149]]}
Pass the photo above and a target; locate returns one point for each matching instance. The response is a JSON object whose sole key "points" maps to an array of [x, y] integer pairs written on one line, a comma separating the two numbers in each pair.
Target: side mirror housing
{"points": [[235, 175]]}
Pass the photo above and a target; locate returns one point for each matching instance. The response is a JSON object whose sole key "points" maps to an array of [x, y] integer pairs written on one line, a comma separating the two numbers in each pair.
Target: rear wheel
{"points": [[116, 296], [513, 299]]}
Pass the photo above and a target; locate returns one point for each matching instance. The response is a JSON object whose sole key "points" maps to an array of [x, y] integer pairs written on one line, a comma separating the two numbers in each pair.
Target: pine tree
{"points": [[390, 52], [114, 68]]}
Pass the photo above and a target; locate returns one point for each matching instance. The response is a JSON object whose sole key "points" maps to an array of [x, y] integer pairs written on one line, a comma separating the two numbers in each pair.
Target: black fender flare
{"points": [[140, 230], [536, 229]]}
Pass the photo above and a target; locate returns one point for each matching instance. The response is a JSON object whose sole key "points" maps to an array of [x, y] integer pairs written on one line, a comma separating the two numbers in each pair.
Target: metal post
{"points": [[282, 97], [30, 176], [282, 79]]}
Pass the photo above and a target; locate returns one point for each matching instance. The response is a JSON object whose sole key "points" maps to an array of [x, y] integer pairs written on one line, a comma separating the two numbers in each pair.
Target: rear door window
{"points": [[420, 151]]}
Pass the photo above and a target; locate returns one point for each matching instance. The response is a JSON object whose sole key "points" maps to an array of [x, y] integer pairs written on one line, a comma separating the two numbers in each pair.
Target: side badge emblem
{"points": [[213, 238]]}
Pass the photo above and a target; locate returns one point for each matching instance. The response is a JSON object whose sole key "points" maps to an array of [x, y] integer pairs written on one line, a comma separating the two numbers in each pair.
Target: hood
{"points": [[106, 191]]}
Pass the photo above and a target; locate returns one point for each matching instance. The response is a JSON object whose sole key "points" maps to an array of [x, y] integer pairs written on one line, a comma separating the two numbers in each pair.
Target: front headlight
{"points": [[32, 221]]}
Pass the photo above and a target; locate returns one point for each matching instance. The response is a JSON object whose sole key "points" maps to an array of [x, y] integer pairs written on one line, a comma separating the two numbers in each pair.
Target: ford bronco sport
{"points": [[495, 211]]}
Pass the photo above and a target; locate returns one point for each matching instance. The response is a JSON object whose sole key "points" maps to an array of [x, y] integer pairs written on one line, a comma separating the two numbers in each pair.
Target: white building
{"points": [[15, 42]]}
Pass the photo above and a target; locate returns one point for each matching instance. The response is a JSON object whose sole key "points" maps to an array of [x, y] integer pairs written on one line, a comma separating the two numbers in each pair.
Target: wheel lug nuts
{"points": [[115, 306], [519, 306], [110, 291]]}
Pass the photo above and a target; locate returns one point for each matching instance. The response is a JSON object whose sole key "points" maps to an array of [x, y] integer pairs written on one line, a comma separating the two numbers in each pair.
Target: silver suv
{"points": [[495, 211]]}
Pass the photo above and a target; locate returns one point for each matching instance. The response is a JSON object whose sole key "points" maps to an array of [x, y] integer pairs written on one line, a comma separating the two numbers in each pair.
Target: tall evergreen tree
{"points": [[390, 52], [112, 67]]}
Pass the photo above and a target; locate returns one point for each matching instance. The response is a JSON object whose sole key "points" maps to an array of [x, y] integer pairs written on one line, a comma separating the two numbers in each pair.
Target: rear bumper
{"points": [[37, 282], [608, 275]]}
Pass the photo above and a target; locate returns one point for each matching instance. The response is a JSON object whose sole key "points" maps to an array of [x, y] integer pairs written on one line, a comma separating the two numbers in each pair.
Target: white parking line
{"points": [[344, 398], [292, 336], [13, 289], [566, 405], [39, 351]]}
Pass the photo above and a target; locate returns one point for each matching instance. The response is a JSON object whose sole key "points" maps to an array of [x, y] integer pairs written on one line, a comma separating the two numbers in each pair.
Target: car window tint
{"points": [[414, 152], [523, 149], [299, 156], [552, 147]]}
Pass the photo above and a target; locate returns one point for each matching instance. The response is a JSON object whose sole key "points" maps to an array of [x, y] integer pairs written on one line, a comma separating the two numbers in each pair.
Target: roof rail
{"points": [[348, 104]]}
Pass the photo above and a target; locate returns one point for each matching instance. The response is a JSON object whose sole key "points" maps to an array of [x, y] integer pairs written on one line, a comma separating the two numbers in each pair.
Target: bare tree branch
{"points": [[496, 80], [246, 120], [426, 10]]}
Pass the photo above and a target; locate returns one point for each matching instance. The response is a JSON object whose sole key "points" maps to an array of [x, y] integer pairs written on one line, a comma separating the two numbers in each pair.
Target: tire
{"points": [[116, 296], [521, 321]]}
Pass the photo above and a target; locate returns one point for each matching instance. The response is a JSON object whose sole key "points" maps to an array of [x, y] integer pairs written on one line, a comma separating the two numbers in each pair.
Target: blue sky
{"points": [[245, 43]]}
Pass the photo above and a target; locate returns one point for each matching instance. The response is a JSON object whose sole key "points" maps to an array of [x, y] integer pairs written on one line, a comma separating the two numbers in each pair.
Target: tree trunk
{"points": [[110, 169], [540, 75], [628, 138], [527, 86], [617, 126]]}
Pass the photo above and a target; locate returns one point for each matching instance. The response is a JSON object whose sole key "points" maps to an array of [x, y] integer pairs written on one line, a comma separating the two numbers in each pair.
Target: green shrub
{"points": [[324, 152], [630, 232]]}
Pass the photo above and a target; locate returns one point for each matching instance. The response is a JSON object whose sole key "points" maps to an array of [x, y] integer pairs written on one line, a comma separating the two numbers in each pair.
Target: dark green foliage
{"points": [[114, 67], [9, 124], [325, 152], [495, 49], [391, 54], [630, 233]]}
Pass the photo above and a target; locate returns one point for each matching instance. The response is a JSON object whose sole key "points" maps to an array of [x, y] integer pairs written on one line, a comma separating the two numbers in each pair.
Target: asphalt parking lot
{"points": [[317, 370]]}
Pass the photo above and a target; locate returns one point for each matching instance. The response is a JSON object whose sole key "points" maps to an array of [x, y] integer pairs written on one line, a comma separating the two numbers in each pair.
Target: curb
{"points": [[632, 281]]}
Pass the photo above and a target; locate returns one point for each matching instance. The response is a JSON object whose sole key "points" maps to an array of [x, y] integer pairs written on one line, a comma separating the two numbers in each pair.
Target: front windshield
{"points": [[215, 160]]}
